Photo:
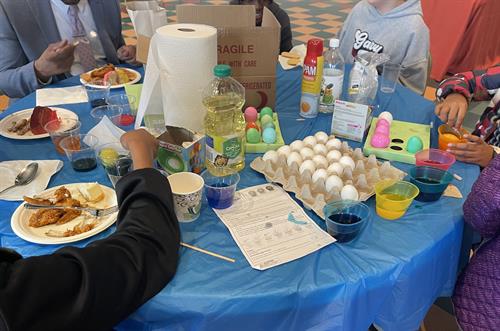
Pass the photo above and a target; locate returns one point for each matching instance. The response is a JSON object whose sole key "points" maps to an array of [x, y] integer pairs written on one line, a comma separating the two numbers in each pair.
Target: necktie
{"points": [[83, 50]]}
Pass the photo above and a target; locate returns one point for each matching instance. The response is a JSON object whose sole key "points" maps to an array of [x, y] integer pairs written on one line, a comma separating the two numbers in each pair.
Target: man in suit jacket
{"points": [[35, 40]]}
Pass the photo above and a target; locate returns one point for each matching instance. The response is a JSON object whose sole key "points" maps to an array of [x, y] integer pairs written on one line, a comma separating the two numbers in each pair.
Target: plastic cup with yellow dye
{"points": [[393, 198]]}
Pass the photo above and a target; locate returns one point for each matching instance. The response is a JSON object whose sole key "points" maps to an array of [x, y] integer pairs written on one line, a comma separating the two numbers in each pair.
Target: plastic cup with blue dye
{"points": [[220, 190]]}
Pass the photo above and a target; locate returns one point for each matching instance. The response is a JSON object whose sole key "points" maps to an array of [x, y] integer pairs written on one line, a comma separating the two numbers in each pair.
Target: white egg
{"points": [[347, 161], [319, 174], [333, 156], [306, 153], [334, 182], [320, 149], [294, 157], [297, 145], [386, 116], [321, 137], [271, 156], [335, 169], [284, 150], [320, 161], [307, 165], [333, 144], [309, 141], [349, 192]]}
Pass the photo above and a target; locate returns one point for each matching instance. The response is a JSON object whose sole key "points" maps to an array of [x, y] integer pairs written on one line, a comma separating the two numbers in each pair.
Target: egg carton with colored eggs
{"points": [[321, 169], [396, 140], [262, 130]]}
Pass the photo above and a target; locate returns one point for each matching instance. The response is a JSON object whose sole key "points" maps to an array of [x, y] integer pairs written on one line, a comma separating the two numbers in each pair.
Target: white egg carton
{"points": [[296, 174]]}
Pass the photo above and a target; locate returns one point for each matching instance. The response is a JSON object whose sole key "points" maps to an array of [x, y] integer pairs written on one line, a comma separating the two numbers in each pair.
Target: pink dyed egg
{"points": [[382, 129], [380, 140], [251, 114], [383, 122]]}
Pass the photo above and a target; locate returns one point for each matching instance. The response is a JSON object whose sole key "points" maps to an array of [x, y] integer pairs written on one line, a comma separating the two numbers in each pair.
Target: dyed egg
{"points": [[321, 137], [266, 111], [414, 145], [347, 161], [383, 122], [333, 144], [380, 140], [253, 136], [335, 169], [294, 157], [319, 174], [265, 119], [386, 116], [307, 165], [349, 192], [382, 129], [271, 156], [309, 141], [252, 125], [306, 153], [320, 161], [334, 182], [333, 156], [297, 145], [269, 136], [268, 125], [284, 150], [251, 114], [320, 149]]}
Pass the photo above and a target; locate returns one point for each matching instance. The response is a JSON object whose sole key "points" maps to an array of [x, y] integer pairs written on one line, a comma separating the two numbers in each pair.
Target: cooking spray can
{"points": [[312, 77]]}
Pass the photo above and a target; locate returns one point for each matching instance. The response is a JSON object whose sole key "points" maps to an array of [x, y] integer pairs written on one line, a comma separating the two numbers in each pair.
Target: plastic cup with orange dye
{"points": [[448, 135], [62, 128]]}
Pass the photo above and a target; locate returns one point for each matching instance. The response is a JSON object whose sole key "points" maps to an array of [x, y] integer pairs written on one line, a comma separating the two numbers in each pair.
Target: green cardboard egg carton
{"points": [[262, 147]]}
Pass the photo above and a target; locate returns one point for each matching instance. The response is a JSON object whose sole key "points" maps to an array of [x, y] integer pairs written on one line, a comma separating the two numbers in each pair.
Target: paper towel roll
{"points": [[180, 65]]}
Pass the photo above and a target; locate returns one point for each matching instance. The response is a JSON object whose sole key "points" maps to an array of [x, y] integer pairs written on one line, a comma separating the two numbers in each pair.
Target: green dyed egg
{"points": [[268, 125], [253, 136], [266, 119], [266, 111], [414, 145]]}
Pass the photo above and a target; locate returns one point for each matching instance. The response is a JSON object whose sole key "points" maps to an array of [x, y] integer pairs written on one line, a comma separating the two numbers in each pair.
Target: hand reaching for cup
{"points": [[452, 110], [142, 146], [56, 59], [475, 150]]}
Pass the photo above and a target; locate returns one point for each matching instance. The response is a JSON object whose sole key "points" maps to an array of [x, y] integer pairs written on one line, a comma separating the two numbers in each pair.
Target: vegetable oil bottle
{"points": [[224, 98]]}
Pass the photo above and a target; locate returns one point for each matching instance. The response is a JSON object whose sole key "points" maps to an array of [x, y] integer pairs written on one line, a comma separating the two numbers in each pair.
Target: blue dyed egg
{"points": [[415, 144], [269, 136]]}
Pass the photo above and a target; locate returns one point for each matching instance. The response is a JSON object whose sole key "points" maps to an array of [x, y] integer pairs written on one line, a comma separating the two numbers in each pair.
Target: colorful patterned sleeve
{"points": [[478, 84]]}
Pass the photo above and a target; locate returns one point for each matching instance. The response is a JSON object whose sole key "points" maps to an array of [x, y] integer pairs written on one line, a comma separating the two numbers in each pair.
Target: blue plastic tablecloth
{"points": [[390, 275]]}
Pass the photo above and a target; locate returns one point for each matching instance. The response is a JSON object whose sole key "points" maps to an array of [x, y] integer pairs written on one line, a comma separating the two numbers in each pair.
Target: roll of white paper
{"points": [[180, 65]]}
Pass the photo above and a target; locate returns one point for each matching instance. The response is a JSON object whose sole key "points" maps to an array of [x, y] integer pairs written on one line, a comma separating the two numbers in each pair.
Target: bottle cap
{"points": [[315, 47], [334, 43], [222, 70]]}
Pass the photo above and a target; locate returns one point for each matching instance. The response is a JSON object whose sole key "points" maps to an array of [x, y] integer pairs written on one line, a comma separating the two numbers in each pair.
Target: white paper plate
{"points": [[137, 78], [20, 218], [6, 123]]}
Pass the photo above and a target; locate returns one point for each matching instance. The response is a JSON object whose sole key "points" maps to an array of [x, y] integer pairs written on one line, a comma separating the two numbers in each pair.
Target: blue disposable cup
{"points": [[431, 182], [220, 190], [346, 219]]}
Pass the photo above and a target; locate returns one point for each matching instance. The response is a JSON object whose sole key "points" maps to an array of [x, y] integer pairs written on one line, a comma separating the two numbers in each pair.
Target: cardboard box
{"points": [[251, 51], [181, 150]]}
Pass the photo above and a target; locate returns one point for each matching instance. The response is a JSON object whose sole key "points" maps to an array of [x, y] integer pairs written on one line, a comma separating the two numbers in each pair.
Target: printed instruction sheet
{"points": [[270, 227]]}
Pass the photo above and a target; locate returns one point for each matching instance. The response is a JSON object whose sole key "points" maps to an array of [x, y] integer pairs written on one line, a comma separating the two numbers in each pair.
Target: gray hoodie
{"points": [[400, 33]]}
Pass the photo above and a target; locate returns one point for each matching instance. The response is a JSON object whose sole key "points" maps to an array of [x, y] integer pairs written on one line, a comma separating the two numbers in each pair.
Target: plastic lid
{"points": [[315, 47], [222, 70], [334, 43]]}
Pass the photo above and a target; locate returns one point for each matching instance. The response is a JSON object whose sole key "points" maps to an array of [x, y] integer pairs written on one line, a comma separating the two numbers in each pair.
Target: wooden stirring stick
{"points": [[208, 252]]}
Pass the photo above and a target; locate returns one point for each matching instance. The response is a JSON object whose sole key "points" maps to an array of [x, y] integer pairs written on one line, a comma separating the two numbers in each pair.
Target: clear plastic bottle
{"points": [[224, 98], [333, 77]]}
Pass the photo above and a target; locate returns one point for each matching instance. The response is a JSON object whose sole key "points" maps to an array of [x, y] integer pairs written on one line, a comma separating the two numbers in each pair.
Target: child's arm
{"points": [[482, 208], [472, 84], [455, 92]]}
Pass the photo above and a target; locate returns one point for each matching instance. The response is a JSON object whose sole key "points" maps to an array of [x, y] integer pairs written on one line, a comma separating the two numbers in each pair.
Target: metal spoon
{"points": [[25, 176]]}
